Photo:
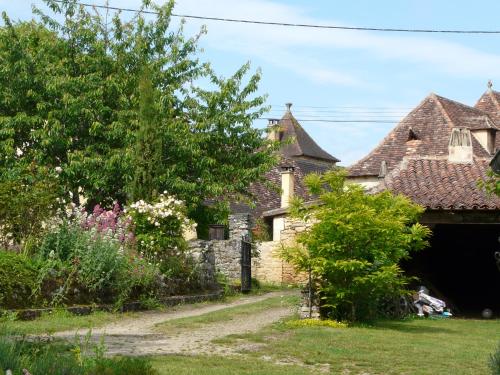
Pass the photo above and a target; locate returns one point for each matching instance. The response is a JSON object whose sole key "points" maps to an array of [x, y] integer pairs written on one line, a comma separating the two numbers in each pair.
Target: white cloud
{"points": [[287, 46]]}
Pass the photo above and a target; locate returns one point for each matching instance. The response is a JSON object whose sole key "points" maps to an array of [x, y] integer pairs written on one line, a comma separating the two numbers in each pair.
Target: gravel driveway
{"points": [[137, 336]]}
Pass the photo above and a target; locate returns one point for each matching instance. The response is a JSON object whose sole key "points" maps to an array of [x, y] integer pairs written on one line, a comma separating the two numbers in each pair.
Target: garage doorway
{"points": [[460, 268]]}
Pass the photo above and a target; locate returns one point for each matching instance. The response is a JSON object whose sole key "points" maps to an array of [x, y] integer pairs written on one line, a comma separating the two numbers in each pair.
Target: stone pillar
{"points": [[239, 226]]}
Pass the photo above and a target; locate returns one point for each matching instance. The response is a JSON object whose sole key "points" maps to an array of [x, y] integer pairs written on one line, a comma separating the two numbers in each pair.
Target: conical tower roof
{"points": [[300, 143]]}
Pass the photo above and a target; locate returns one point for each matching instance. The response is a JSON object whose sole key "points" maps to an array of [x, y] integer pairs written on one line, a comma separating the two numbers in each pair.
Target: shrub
{"points": [[159, 227], [494, 362], [159, 231], [354, 245], [18, 279], [42, 358], [27, 199], [87, 258]]}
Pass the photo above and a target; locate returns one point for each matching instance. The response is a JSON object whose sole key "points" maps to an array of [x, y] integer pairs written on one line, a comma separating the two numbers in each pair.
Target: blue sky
{"points": [[351, 75]]}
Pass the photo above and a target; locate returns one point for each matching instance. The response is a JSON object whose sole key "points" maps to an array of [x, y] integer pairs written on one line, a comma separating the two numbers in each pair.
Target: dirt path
{"points": [[137, 336]]}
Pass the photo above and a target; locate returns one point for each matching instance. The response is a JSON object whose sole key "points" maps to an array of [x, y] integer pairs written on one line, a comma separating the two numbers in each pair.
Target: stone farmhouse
{"points": [[436, 155], [299, 156]]}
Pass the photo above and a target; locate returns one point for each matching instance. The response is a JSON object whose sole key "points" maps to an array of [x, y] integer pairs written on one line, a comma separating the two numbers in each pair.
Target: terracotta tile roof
{"points": [[436, 183], [267, 196], [425, 131], [302, 144], [489, 102]]}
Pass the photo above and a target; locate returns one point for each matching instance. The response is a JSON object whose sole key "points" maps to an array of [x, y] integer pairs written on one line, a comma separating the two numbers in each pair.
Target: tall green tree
{"points": [[147, 150], [71, 99], [355, 244]]}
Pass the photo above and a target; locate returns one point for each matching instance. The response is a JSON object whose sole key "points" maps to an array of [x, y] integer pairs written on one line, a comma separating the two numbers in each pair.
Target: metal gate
{"points": [[246, 265]]}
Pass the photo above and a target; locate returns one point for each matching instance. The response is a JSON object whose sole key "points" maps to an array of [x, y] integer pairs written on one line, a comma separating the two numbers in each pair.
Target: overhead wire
{"points": [[291, 24]]}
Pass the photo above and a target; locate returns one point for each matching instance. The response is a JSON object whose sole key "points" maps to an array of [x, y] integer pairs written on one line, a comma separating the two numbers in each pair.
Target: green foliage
{"points": [[18, 280], [124, 365], [494, 362], [147, 154], [74, 97], [261, 231], [57, 359], [97, 267], [491, 184], [27, 199], [354, 245]]}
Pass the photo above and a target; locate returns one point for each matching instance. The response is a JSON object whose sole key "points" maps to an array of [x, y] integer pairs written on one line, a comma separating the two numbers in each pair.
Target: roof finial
{"points": [[490, 85], [288, 106]]}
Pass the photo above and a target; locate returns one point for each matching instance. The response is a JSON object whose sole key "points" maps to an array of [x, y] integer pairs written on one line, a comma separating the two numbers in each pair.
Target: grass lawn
{"points": [[58, 321], [417, 346], [213, 365]]}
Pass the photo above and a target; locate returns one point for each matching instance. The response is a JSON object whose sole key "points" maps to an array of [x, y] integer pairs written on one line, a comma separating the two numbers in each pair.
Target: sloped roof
{"points": [[431, 123], [436, 183], [302, 144], [489, 102], [267, 197]]}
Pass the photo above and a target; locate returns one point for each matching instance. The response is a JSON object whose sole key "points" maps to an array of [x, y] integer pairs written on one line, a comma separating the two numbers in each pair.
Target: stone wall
{"points": [[224, 255], [204, 256], [268, 266]]}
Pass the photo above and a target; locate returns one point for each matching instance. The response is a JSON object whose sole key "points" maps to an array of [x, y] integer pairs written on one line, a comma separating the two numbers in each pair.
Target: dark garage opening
{"points": [[460, 268]]}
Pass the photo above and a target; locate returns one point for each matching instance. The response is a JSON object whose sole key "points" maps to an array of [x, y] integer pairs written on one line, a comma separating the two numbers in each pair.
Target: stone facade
{"points": [[268, 266], [224, 255]]}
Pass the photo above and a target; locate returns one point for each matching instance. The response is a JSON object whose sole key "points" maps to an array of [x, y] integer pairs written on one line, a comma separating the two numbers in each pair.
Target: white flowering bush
{"points": [[159, 228]]}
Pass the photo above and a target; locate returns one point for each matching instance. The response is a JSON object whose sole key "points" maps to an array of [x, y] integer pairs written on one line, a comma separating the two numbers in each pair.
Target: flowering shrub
{"points": [[159, 227], [110, 223], [90, 257], [159, 231]]}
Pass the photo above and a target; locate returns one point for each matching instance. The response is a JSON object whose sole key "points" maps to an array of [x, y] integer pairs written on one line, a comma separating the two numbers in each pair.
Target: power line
{"points": [[288, 24], [335, 113], [338, 106], [340, 121]]}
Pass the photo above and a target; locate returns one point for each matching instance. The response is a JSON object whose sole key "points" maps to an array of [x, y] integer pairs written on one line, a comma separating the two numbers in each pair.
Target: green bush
{"points": [[63, 242], [354, 245], [27, 200], [59, 359], [494, 362], [18, 280], [37, 358], [81, 265]]}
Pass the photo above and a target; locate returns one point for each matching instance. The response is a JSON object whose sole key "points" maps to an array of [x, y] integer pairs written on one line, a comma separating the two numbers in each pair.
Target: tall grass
{"points": [[61, 359]]}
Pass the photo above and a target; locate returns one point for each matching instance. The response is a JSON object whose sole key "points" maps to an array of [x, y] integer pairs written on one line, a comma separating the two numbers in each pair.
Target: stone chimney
{"points": [[273, 132], [287, 185], [383, 169], [460, 146]]}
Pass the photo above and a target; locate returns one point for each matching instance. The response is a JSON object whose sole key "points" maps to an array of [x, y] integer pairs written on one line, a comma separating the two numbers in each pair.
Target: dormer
{"points": [[486, 137]]}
